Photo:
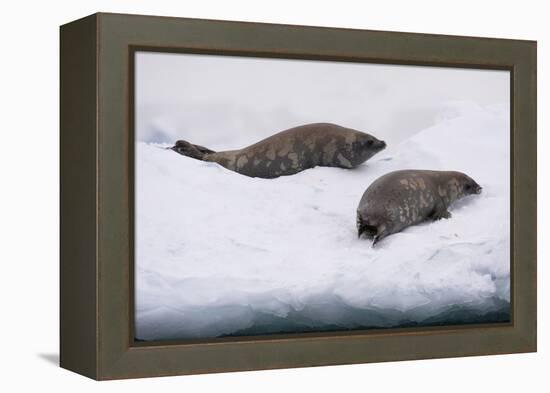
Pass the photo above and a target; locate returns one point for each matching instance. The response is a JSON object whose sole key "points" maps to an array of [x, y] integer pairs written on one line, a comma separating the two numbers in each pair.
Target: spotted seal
{"points": [[292, 151], [403, 198]]}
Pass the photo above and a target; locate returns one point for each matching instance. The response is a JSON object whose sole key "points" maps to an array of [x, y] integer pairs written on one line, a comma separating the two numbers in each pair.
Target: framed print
{"points": [[241, 196]]}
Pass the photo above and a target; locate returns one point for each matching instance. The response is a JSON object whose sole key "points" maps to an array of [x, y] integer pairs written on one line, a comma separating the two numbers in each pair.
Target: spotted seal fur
{"points": [[292, 151], [403, 198]]}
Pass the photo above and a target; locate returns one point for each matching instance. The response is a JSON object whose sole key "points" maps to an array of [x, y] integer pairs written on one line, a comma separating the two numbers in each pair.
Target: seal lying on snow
{"points": [[293, 150], [403, 198]]}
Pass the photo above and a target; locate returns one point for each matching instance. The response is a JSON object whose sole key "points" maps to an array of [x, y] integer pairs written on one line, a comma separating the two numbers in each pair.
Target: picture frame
{"points": [[97, 189]]}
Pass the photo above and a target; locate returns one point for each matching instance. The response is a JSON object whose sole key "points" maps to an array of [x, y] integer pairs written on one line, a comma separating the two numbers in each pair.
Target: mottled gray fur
{"points": [[403, 198], [292, 151]]}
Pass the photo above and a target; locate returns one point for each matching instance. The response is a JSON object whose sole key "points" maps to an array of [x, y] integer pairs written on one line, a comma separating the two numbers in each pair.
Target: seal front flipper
{"points": [[440, 212]]}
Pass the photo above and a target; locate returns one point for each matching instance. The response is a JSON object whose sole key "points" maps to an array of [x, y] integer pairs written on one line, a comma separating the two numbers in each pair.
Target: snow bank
{"points": [[219, 253]]}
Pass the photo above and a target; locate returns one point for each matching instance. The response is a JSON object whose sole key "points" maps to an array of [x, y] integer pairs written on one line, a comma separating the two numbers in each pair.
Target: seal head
{"points": [[366, 146]]}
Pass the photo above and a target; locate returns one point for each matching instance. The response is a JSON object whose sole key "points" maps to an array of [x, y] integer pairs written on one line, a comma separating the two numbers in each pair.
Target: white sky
{"points": [[226, 102]]}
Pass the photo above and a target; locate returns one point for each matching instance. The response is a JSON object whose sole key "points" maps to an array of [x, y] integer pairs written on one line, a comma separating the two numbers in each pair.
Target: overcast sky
{"points": [[226, 102]]}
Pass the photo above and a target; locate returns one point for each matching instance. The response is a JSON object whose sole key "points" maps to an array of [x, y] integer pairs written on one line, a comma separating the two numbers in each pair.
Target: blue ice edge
{"points": [[328, 317]]}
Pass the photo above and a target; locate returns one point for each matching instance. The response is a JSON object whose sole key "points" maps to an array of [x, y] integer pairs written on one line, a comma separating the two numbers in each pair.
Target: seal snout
{"points": [[374, 145], [472, 188]]}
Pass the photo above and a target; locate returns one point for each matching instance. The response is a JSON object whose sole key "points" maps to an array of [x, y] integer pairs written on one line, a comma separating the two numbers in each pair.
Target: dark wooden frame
{"points": [[97, 196]]}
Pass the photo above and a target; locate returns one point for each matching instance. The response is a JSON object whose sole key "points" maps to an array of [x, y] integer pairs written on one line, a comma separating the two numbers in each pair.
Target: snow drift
{"points": [[218, 253]]}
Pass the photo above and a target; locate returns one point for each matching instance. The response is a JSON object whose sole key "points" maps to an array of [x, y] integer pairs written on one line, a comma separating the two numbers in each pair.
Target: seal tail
{"points": [[197, 152], [204, 150], [371, 230]]}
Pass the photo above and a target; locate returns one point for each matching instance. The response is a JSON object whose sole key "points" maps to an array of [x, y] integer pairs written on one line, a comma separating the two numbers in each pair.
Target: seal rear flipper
{"points": [[374, 232], [366, 227], [369, 230], [204, 150], [189, 150]]}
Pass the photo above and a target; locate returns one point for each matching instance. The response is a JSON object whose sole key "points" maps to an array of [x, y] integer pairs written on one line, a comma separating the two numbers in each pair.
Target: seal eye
{"points": [[369, 142]]}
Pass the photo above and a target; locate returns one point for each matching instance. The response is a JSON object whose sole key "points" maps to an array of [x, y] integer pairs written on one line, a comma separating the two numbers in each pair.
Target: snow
{"points": [[218, 253]]}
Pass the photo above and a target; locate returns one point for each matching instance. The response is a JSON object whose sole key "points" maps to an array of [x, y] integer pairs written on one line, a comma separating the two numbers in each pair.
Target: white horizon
{"points": [[226, 102]]}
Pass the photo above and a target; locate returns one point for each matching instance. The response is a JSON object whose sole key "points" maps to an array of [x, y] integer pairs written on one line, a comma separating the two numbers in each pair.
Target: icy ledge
{"points": [[222, 254]]}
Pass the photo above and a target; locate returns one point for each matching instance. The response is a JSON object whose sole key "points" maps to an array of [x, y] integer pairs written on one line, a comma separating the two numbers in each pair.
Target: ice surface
{"points": [[218, 253]]}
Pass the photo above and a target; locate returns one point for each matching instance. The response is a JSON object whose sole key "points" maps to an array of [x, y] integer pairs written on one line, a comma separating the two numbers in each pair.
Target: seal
{"points": [[403, 198], [291, 151]]}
